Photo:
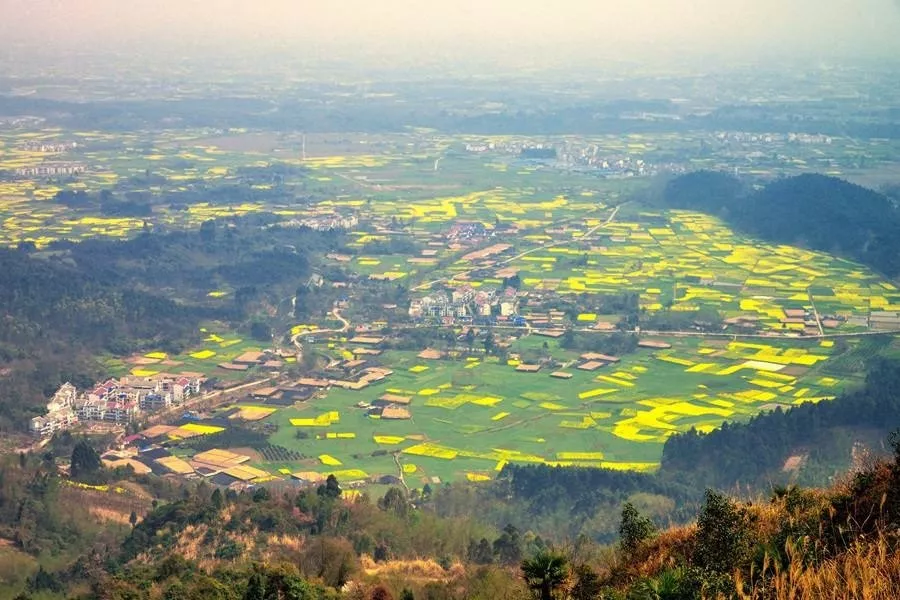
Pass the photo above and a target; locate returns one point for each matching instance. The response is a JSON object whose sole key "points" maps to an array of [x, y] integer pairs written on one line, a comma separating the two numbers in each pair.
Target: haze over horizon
{"points": [[697, 31]]}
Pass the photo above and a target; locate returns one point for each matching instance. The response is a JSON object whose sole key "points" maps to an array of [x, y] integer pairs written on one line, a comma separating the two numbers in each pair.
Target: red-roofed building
{"points": [[121, 412]]}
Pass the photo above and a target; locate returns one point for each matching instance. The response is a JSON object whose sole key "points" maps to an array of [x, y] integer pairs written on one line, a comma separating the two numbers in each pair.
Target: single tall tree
{"points": [[330, 489], [634, 528], [508, 547], [723, 539], [85, 460], [394, 501], [256, 587]]}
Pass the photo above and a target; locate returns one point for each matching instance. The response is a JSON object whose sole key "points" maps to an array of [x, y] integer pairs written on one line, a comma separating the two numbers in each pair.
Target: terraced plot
{"points": [[472, 417], [686, 261]]}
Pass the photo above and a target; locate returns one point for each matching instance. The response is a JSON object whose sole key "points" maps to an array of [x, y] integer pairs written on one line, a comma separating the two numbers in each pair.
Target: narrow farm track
{"points": [[648, 332], [400, 472], [513, 424], [590, 232], [815, 312], [345, 327]]}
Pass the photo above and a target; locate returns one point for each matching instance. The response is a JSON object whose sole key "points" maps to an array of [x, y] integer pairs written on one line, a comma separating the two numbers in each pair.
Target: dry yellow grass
{"points": [[869, 570], [664, 551], [106, 515], [419, 570]]}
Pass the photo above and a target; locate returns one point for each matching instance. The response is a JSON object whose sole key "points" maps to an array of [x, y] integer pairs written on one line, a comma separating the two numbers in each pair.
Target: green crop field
{"points": [[469, 417], [571, 234], [216, 350]]}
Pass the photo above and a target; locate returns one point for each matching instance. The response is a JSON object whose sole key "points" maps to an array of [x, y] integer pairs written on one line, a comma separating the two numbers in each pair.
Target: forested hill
{"points": [[62, 306], [56, 314], [753, 453], [812, 211]]}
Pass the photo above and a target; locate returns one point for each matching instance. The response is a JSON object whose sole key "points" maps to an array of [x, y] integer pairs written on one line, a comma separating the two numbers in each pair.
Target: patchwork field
{"points": [[188, 163], [469, 417], [208, 360], [564, 234], [687, 261]]}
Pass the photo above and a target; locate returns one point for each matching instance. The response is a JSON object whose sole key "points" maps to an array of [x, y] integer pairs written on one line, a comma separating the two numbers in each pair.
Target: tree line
{"points": [[752, 453]]}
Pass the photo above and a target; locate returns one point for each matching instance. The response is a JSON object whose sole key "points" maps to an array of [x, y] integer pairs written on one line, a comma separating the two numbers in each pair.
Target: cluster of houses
{"points": [[324, 222], [625, 165], [512, 146], [114, 401], [571, 154], [800, 320], [590, 361], [478, 148], [391, 407], [584, 154], [465, 304], [49, 169], [468, 231], [53, 148], [60, 412], [772, 138], [250, 359], [356, 372]]}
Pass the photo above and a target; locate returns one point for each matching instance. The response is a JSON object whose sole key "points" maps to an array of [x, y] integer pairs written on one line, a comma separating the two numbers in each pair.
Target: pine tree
{"points": [[256, 587], [634, 528], [722, 534], [85, 460]]}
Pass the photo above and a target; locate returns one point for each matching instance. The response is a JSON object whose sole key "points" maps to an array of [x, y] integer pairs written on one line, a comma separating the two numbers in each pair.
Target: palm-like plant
{"points": [[545, 573], [668, 585]]}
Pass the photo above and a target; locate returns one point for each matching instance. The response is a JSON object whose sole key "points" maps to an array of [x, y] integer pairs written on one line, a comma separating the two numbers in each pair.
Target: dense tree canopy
{"points": [[65, 305], [749, 453], [85, 460], [814, 211]]}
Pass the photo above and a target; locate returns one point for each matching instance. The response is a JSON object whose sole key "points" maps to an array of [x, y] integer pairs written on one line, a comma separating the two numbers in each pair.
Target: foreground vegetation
{"points": [[202, 543]]}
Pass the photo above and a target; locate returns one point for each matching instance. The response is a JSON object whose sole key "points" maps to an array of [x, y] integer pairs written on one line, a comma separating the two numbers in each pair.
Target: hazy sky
{"points": [[625, 28]]}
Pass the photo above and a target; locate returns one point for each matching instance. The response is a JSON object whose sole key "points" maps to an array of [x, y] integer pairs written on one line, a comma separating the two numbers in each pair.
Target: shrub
{"points": [[634, 528]]}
